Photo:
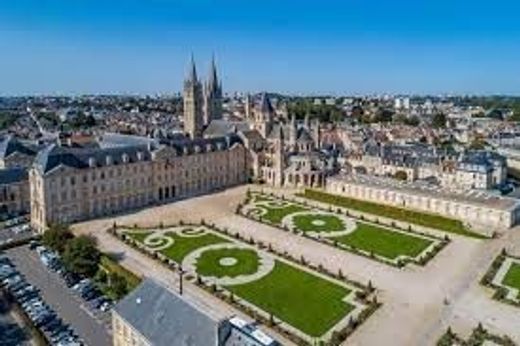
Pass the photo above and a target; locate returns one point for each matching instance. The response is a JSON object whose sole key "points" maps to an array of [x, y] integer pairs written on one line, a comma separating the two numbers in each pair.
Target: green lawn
{"points": [[384, 242], [138, 236], [326, 223], [275, 215], [419, 218], [305, 301], [112, 266], [247, 262], [182, 246], [512, 278]]}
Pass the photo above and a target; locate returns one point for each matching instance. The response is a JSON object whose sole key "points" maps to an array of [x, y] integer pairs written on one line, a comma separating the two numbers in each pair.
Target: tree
{"points": [[118, 285], [401, 175], [439, 120], [81, 255], [57, 237]]}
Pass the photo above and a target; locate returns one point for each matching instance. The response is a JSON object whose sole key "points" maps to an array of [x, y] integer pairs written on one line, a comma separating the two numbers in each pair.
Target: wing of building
{"points": [[155, 316]]}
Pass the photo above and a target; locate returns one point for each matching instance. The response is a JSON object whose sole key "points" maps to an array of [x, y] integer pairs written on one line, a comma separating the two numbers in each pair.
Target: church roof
{"points": [[265, 104], [220, 127]]}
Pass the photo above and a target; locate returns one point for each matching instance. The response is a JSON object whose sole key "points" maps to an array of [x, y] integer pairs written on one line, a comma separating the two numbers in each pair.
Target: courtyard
{"points": [[390, 245], [312, 303], [413, 312]]}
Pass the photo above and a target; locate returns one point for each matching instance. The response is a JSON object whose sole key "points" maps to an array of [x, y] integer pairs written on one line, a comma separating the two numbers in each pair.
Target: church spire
{"points": [[213, 76], [192, 72]]}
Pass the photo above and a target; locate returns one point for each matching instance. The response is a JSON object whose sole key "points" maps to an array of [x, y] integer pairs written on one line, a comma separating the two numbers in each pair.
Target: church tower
{"points": [[264, 116], [212, 95], [193, 103], [279, 158]]}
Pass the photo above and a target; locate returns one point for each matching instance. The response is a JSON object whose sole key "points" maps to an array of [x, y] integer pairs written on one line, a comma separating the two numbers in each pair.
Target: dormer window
{"points": [[197, 149], [125, 158], [140, 156], [108, 160], [92, 162]]}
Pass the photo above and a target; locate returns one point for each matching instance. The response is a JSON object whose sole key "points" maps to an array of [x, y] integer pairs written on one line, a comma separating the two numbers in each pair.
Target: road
{"points": [[419, 303], [54, 292]]}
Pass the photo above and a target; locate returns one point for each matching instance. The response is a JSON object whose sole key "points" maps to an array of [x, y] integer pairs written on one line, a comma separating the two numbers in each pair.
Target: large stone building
{"points": [[15, 153], [152, 315], [416, 161], [70, 183], [202, 102], [212, 95], [14, 191], [193, 103], [482, 211], [282, 152]]}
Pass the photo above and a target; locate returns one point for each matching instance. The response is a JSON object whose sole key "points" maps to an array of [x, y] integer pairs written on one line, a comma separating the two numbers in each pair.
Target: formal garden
{"points": [[504, 277], [478, 337], [433, 221], [387, 244], [305, 303]]}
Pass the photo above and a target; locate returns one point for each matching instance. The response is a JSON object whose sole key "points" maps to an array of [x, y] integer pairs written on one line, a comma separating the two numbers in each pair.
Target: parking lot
{"points": [[91, 325], [15, 229], [12, 331]]}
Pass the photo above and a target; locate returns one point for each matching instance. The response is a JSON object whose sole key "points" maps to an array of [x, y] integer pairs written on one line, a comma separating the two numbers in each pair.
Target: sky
{"points": [[294, 46]]}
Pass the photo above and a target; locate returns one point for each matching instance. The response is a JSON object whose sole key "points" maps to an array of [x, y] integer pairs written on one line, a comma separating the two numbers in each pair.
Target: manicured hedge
{"points": [[422, 219]]}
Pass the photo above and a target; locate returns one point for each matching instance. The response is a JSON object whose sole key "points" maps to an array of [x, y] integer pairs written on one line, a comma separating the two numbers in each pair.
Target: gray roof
{"points": [[220, 127], [165, 319], [110, 140], [190, 146], [54, 155], [12, 175], [10, 145]]}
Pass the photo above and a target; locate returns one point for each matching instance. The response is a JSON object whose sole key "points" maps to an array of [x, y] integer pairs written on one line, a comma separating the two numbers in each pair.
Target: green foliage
{"points": [[384, 242], [57, 237], [305, 301], [118, 285], [439, 120], [6, 120], [401, 175], [325, 113], [81, 256], [428, 220]]}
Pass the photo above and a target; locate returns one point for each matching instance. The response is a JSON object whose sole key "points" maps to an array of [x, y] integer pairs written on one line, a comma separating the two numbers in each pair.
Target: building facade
{"points": [[14, 191], [193, 103], [485, 213], [71, 184]]}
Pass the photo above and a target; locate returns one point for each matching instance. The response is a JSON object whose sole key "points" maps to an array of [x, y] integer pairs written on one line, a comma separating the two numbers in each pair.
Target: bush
{"points": [[57, 237], [81, 256]]}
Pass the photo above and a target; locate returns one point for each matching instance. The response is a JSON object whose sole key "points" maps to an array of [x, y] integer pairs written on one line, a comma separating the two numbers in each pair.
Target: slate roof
{"points": [[13, 175], [110, 139], [191, 146], [54, 155], [165, 319], [10, 145], [218, 127]]}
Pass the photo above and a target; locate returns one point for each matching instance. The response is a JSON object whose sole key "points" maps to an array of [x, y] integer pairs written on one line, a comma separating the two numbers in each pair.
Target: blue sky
{"points": [[349, 46]]}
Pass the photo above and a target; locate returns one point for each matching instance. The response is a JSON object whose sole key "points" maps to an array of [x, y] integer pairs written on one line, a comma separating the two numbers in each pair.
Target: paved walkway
{"points": [[419, 302], [144, 266]]}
